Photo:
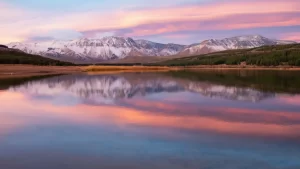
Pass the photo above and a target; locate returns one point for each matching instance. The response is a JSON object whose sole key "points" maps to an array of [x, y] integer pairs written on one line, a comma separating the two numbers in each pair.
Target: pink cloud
{"points": [[221, 23], [213, 16], [217, 16], [292, 36]]}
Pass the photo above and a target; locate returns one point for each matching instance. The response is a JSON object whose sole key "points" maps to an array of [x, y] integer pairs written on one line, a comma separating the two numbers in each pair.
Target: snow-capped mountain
{"points": [[107, 48], [113, 48], [238, 42]]}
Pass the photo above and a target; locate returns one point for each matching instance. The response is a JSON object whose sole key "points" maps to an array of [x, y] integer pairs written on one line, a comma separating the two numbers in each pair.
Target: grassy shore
{"points": [[13, 71], [99, 68]]}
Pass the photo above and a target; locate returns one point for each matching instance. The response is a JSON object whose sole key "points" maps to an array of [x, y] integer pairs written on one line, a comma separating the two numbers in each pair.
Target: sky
{"points": [[165, 21]]}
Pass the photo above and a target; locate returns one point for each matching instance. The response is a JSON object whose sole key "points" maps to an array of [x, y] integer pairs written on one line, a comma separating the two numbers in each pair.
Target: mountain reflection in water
{"points": [[126, 86], [217, 120]]}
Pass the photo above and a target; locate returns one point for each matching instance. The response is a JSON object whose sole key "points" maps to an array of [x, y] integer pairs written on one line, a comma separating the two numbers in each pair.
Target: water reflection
{"points": [[148, 120], [113, 87]]}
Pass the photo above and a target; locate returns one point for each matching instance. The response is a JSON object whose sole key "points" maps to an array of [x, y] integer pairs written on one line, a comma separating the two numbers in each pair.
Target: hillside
{"points": [[273, 55], [3, 46], [13, 56]]}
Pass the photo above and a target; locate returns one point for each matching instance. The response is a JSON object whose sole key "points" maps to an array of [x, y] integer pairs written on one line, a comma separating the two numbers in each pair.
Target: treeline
{"points": [[263, 56], [16, 57], [287, 57], [278, 47]]}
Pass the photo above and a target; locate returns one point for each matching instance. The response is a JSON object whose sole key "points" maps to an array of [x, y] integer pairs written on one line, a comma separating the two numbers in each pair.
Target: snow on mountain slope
{"points": [[81, 49], [113, 48], [238, 42], [107, 48]]}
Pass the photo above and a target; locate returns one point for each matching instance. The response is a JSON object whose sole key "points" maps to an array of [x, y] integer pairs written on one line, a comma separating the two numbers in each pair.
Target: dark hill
{"points": [[13, 56], [3, 46], [262, 56]]}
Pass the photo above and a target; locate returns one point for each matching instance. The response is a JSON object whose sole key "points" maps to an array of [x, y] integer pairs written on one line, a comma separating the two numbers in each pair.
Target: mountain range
{"points": [[115, 48]]}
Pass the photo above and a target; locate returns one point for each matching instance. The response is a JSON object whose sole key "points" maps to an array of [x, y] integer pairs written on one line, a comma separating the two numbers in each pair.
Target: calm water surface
{"points": [[175, 120]]}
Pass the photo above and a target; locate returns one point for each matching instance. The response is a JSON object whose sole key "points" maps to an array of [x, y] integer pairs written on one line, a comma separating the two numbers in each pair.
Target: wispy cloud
{"points": [[162, 20], [293, 36], [221, 23]]}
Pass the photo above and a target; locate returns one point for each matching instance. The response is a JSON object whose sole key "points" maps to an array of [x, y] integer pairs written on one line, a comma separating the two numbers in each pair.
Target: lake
{"points": [[167, 120]]}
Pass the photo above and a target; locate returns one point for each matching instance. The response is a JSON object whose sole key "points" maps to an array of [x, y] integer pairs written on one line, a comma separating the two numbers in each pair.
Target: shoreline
{"points": [[12, 71], [174, 68], [17, 71], [237, 67]]}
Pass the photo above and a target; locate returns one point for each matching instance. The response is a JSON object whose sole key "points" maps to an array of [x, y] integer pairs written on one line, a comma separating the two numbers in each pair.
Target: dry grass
{"points": [[126, 68], [12, 71], [114, 69]]}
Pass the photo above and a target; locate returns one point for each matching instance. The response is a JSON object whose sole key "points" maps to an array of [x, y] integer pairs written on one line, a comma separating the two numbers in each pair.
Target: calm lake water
{"points": [[174, 120]]}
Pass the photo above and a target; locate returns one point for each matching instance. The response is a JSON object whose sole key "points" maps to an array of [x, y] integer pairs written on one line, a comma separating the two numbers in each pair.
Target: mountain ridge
{"points": [[236, 42], [115, 48]]}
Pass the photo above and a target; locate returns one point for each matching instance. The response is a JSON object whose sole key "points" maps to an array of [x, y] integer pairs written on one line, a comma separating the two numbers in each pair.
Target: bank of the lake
{"points": [[7, 71], [106, 68], [13, 71]]}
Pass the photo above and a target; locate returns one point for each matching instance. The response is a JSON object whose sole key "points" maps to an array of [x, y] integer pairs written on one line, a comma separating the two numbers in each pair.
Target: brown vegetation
{"points": [[7, 71], [127, 68], [13, 71]]}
